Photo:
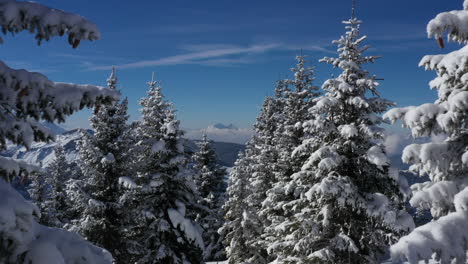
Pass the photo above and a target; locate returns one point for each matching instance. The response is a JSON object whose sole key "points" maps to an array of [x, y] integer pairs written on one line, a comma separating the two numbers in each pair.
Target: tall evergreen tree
{"points": [[239, 225], [294, 97], [263, 158], [161, 227], [211, 187], [39, 191], [446, 194], [297, 98], [348, 207], [103, 162], [60, 171]]}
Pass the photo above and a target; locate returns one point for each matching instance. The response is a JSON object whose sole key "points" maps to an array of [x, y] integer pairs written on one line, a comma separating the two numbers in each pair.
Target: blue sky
{"points": [[218, 59]]}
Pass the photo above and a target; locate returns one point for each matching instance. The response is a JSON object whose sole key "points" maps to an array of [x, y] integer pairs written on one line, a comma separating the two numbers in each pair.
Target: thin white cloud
{"points": [[310, 48], [68, 55], [190, 58], [214, 55], [192, 28], [205, 47]]}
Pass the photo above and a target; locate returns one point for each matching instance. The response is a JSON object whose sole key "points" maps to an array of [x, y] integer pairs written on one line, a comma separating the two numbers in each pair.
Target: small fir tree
{"points": [[237, 229], [60, 171], [211, 188]]}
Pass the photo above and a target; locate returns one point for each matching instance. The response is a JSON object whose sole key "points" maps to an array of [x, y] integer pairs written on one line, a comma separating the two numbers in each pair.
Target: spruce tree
{"points": [[446, 194], [211, 188], [103, 161], [162, 201], [60, 172], [39, 191], [294, 97], [251, 177], [297, 98], [237, 230], [263, 163], [348, 207]]}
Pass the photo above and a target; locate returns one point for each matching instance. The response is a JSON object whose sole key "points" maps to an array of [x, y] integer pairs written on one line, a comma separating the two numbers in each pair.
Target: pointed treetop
{"points": [[205, 137], [353, 21], [353, 9], [112, 80], [153, 82]]}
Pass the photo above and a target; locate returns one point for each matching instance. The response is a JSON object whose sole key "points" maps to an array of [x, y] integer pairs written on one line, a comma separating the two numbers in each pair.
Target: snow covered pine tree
{"points": [[104, 159], [278, 132], [161, 198], [59, 171], [349, 208], [39, 191], [48, 190], [263, 157], [251, 176], [446, 195], [211, 187], [237, 230], [293, 100], [26, 98]]}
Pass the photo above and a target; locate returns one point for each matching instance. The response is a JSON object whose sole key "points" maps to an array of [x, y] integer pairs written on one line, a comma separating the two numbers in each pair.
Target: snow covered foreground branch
{"points": [[32, 243], [27, 97], [445, 237], [12, 167], [45, 22], [454, 22]]}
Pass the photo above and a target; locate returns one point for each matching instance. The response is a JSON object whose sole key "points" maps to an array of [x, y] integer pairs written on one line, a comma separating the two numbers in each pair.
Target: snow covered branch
{"points": [[45, 22], [454, 22], [447, 237], [11, 167], [26, 97], [23, 240]]}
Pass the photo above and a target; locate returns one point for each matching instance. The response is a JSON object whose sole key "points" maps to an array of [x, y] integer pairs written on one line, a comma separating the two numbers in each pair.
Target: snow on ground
{"points": [[22, 236]]}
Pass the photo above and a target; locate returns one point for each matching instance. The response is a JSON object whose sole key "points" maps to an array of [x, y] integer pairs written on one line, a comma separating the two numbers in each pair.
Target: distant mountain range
{"points": [[222, 133], [57, 129], [43, 153], [223, 126]]}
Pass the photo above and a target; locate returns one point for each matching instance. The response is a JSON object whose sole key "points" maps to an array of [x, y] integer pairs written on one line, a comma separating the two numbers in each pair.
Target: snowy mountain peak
{"points": [[54, 128]]}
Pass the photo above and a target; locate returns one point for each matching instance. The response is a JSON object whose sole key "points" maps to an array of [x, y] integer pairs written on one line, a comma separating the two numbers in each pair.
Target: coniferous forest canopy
{"points": [[313, 184]]}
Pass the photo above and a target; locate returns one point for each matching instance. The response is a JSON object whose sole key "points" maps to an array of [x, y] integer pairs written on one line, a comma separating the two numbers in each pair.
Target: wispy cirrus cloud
{"points": [[193, 29], [192, 57], [215, 55], [310, 48]]}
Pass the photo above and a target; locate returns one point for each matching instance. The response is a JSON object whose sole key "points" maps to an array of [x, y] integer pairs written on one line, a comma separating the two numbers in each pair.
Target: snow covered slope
{"points": [[44, 152]]}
